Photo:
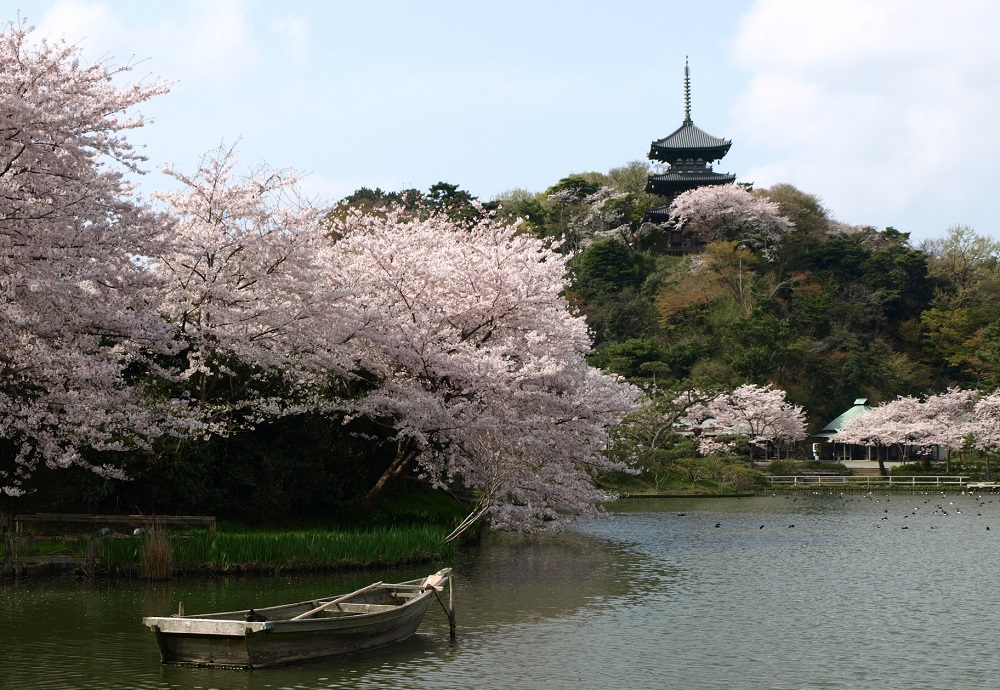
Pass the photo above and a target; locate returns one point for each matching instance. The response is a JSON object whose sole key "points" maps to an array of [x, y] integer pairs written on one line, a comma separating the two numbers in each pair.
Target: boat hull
{"points": [[225, 640]]}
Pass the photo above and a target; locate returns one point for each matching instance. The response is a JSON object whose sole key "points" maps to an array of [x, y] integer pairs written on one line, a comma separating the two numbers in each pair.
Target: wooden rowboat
{"points": [[372, 616]]}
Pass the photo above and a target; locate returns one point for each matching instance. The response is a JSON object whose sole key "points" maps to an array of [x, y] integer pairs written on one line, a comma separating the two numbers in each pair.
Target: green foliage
{"points": [[273, 552], [634, 359], [520, 204], [601, 268], [755, 346], [918, 469], [442, 197], [810, 217], [578, 186], [779, 468], [710, 475], [454, 202], [630, 178]]}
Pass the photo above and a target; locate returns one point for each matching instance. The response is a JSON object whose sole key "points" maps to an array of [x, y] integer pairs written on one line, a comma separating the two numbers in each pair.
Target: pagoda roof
{"points": [[673, 182], [689, 141], [658, 215]]}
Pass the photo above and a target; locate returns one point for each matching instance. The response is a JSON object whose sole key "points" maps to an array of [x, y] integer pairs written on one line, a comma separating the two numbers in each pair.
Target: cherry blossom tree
{"points": [[759, 413], [938, 420], [456, 337], [476, 363], [881, 427], [984, 427], [245, 288], [725, 213], [77, 308], [949, 418]]}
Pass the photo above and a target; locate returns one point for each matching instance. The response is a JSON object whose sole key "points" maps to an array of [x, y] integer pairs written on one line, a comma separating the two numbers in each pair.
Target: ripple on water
{"points": [[649, 599]]}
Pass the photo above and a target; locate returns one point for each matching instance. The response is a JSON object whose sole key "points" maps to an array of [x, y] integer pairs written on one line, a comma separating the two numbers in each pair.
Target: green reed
{"points": [[276, 551]]}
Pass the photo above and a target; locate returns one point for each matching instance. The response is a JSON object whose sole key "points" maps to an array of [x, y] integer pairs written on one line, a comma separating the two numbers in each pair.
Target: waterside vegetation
{"points": [[411, 527]]}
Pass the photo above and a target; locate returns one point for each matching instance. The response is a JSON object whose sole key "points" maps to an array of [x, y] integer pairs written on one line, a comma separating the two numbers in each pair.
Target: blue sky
{"points": [[885, 110]]}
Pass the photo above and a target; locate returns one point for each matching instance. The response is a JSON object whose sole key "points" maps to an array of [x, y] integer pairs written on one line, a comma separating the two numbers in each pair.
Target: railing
{"points": [[207, 521], [826, 479], [17, 541]]}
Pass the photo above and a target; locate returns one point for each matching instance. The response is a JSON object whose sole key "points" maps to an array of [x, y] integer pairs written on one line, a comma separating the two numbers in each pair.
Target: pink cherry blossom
{"points": [[75, 300], [759, 413], [725, 213], [938, 420], [476, 362], [245, 288]]}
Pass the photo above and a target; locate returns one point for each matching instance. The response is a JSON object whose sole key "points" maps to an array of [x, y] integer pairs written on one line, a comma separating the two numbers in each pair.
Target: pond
{"points": [[811, 591]]}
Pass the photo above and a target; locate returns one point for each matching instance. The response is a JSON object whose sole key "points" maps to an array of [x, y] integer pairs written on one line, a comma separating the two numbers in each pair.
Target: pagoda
{"points": [[688, 152]]}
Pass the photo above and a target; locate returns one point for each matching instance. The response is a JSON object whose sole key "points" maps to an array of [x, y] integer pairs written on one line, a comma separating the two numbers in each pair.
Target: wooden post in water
{"points": [[93, 548], [451, 607], [433, 583]]}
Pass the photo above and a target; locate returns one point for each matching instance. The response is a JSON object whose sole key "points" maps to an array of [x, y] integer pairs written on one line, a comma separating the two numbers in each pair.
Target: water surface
{"points": [[817, 591]]}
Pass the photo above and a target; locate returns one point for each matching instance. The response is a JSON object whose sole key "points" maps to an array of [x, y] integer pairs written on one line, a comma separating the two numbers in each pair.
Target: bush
{"points": [[920, 469], [786, 467]]}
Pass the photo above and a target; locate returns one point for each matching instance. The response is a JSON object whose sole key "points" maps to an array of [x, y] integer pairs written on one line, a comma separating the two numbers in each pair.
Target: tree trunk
{"points": [[405, 454], [881, 460]]}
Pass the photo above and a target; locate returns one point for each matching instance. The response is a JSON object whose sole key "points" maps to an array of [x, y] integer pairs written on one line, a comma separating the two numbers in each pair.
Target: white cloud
{"points": [[88, 23], [203, 45], [214, 42], [295, 32], [886, 106]]}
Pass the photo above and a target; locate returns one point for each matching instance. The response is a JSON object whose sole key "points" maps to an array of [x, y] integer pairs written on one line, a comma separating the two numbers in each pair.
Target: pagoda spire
{"points": [[687, 93]]}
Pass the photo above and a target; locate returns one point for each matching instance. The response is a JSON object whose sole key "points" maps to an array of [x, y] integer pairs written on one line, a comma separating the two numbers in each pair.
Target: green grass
{"points": [[408, 527], [277, 551]]}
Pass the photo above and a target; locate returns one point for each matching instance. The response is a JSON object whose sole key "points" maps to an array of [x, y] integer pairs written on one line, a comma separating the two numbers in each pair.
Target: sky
{"points": [[884, 110]]}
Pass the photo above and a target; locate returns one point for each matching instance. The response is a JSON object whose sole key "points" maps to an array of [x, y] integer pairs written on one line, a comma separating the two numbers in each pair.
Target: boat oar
{"points": [[335, 602]]}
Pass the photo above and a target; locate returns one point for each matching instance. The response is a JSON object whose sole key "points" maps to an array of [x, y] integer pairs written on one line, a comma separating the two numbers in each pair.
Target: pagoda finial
{"points": [[687, 93]]}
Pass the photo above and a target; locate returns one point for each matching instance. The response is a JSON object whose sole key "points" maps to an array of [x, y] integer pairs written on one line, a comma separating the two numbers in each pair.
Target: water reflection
{"points": [[775, 592]]}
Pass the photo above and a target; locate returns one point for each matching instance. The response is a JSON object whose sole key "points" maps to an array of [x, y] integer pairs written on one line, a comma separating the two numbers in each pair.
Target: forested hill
{"points": [[827, 312]]}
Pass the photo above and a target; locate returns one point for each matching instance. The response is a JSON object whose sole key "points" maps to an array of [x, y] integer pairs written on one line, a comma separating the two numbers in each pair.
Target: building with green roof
{"points": [[842, 451]]}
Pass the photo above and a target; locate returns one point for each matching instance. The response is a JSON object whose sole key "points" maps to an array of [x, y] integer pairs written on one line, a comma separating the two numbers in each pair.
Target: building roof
{"points": [[860, 407], [689, 141], [672, 182]]}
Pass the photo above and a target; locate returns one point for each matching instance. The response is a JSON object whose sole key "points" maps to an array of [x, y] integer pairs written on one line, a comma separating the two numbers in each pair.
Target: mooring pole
{"points": [[451, 607]]}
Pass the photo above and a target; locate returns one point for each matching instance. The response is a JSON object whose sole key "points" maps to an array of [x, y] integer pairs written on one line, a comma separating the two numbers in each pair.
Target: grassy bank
{"points": [[691, 478], [409, 528], [273, 552]]}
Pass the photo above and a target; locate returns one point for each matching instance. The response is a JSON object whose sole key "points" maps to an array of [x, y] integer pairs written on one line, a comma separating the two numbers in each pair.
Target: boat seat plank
{"points": [[354, 609]]}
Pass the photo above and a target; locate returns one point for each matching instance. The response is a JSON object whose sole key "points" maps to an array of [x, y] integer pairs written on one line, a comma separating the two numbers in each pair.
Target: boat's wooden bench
{"points": [[80, 518], [405, 591], [355, 609]]}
